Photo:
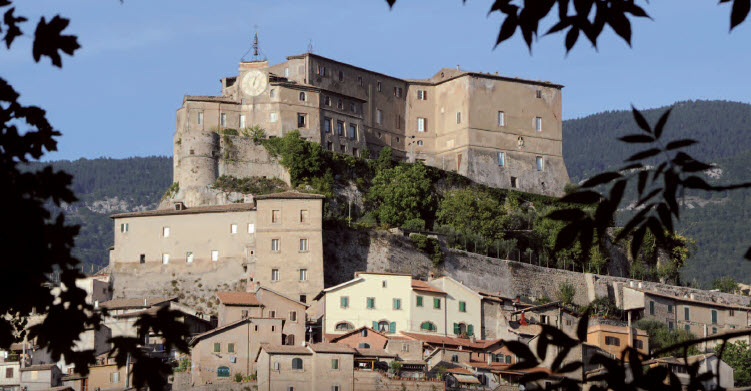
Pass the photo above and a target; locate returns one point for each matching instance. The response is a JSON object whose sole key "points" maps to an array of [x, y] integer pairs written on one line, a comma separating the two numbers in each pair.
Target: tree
{"points": [[473, 210], [565, 293], [738, 356], [725, 284], [39, 242], [401, 193], [660, 338]]}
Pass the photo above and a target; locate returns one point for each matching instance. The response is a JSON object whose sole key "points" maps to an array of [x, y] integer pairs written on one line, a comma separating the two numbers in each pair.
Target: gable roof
{"points": [[423, 286], [689, 300], [282, 296], [238, 298], [331, 348], [461, 284], [337, 337], [226, 327], [371, 352], [335, 287], [285, 349]]}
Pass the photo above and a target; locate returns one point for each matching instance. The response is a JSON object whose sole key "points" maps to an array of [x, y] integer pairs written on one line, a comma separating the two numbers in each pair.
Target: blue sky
{"points": [[118, 95]]}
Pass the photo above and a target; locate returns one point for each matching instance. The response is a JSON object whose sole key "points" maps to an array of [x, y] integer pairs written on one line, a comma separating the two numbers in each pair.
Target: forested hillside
{"points": [[106, 186], [718, 222]]}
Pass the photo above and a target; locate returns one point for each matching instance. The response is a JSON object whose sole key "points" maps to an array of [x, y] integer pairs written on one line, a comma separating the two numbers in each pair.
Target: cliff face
{"points": [[348, 251]]}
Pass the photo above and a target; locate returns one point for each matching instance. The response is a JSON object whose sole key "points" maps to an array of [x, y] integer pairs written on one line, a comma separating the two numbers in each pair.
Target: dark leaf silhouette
{"points": [[739, 12], [637, 138], [48, 40], [12, 22]]}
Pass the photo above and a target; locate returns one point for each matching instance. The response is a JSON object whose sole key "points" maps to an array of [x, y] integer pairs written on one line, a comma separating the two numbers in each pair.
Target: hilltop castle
{"points": [[499, 131]]}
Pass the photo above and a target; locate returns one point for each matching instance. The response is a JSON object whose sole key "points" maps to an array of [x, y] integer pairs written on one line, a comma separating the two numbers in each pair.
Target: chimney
{"points": [[179, 205], [457, 67], [523, 320], [518, 299]]}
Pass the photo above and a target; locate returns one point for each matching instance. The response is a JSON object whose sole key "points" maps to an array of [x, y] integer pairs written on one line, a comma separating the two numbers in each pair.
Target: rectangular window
{"points": [[538, 93], [714, 330], [639, 344], [670, 308], [371, 302], [189, 257], [339, 128], [379, 116], [165, 232], [142, 258], [538, 124], [731, 312], [397, 304], [245, 314], [458, 117], [462, 306], [398, 92], [272, 314], [8, 373], [286, 72], [303, 274], [420, 124], [501, 159], [304, 216], [303, 299], [293, 316], [353, 107], [276, 216], [242, 121], [123, 227], [217, 347], [303, 244], [670, 325], [274, 275], [233, 228], [538, 163], [352, 131], [273, 117], [275, 245], [334, 365], [501, 118], [165, 259], [685, 313], [344, 301], [251, 228], [714, 316], [514, 183], [214, 255], [419, 301], [651, 307], [436, 303], [322, 70], [422, 95], [223, 119], [359, 80], [115, 377], [200, 117], [327, 124], [230, 348], [378, 86], [272, 93], [301, 120], [613, 341]]}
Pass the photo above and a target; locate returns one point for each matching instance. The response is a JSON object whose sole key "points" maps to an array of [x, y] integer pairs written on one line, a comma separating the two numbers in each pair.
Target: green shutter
{"points": [[392, 327], [217, 347], [436, 303], [371, 302], [508, 359], [419, 301], [685, 313], [230, 348], [375, 325], [397, 304], [651, 307], [462, 306], [470, 330], [714, 316], [456, 328]]}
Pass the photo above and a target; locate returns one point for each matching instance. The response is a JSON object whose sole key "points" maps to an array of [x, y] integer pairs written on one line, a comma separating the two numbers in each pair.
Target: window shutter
{"points": [[470, 330], [456, 328], [392, 327], [508, 359], [375, 325]]}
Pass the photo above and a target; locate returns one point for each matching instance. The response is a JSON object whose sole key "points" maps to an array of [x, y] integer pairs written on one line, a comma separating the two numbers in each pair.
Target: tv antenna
{"points": [[310, 46]]}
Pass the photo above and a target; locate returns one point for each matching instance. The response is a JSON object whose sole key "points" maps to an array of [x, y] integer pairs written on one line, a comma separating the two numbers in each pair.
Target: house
{"points": [[109, 377], [393, 303], [616, 339], [284, 367], [363, 337], [264, 302], [722, 373], [40, 377], [494, 307], [218, 354], [10, 375], [701, 318]]}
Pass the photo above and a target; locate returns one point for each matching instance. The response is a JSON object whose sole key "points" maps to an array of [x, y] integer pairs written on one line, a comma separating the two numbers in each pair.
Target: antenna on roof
{"points": [[257, 53], [310, 46]]}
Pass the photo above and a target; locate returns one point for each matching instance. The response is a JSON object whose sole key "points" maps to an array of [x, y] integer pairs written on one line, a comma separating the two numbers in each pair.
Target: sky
{"points": [[118, 95]]}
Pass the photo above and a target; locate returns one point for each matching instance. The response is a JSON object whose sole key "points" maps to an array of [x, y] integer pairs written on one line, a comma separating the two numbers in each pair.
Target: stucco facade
{"points": [[501, 131], [616, 339]]}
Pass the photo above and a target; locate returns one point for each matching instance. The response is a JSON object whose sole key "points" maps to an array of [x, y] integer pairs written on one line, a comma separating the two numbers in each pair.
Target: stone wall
{"points": [[373, 380], [182, 382]]}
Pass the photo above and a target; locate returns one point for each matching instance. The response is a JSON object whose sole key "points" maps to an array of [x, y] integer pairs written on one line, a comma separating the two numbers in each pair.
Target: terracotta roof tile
{"points": [[374, 353], [238, 298], [420, 285], [285, 349], [331, 348]]}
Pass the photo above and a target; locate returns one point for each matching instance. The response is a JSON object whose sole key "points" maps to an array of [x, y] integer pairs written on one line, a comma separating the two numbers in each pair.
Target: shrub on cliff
{"points": [[473, 210], [429, 246]]}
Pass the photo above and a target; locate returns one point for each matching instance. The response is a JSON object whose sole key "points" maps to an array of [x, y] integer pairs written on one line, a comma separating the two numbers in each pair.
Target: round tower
{"points": [[196, 159]]}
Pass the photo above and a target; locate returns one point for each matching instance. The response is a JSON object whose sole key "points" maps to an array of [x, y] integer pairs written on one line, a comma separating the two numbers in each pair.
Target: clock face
{"points": [[254, 83]]}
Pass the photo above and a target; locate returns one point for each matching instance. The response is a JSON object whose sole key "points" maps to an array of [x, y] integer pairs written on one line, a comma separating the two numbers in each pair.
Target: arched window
{"points": [[344, 326], [327, 101], [383, 326], [302, 96], [460, 329], [296, 363], [222, 372], [428, 326], [363, 345]]}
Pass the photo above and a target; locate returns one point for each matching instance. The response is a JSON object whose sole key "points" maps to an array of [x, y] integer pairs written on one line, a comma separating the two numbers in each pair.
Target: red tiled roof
{"points": [[420, 285], [459, 370], [331, 348], [289, 195], [443, 340], [238, 298], [239, 207], [337, 337], [285, 349]]}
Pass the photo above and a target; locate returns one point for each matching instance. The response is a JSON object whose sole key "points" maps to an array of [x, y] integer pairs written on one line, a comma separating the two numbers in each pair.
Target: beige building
{"points": [[501, 131], [276, 239], [217, 355], [616, 339], [701, 318]]}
